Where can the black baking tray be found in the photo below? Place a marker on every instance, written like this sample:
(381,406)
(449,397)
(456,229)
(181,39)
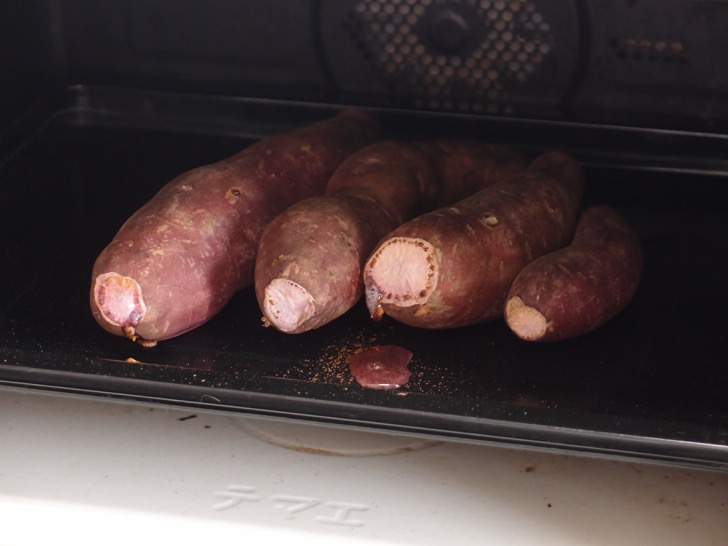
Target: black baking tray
(650,384)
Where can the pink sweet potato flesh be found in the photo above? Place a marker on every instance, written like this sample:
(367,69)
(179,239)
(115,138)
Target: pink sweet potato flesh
(179,259)
(575,290)
(310,259)
(453,266)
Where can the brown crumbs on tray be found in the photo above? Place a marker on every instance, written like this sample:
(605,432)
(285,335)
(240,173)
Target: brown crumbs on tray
(331,364)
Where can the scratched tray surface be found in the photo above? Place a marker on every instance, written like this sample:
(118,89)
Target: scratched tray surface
(655,374)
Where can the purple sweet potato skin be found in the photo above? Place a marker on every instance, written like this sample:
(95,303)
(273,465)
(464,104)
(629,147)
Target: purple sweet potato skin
(465,167)
(321,243)
(193,245)
(580,287)
(482,242)
(318,244)
(398,177)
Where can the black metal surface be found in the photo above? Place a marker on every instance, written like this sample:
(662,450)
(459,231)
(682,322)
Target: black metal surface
(457,56)
(649,384)
(628,63)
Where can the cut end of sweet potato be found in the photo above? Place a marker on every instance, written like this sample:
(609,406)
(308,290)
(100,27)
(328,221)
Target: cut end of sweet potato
(527,322)
(120,302)
(402,272)
(287,305)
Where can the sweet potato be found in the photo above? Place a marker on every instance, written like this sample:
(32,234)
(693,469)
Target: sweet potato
(575,290)
(180,258)
(453,266)
(310,259)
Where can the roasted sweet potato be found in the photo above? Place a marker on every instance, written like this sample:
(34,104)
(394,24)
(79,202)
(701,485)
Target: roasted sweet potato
(575,290)
(179,259)
(310,259)
(453,266)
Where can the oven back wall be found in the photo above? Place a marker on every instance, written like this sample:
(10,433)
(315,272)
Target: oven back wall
(262,48)
(25,65)
(618,62)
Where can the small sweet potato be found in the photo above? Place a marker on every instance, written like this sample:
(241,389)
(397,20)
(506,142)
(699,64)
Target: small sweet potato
(575,290)
(453,266)
(310,259)
(179,259)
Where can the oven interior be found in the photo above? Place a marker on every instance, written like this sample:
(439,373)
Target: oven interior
(103,103)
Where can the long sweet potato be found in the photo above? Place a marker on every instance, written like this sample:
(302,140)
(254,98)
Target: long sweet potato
(575,290)
(453,266)
(310,259)
(179,259)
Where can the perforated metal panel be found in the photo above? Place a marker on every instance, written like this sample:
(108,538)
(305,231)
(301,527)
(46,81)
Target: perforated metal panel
(452,55)
(467,55)
(644,49)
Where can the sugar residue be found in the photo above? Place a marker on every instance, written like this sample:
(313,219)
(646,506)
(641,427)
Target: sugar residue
(333,363)
(383,367)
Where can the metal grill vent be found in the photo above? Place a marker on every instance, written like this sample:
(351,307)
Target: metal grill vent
(468,55)
(649,50)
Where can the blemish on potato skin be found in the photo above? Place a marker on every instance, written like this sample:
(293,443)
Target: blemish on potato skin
(232,196)
(489,220)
